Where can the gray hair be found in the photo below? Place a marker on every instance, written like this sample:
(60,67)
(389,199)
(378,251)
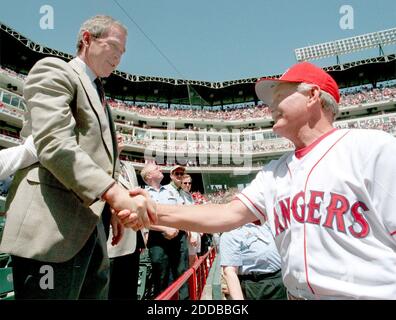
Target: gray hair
(97,26)
(148,168)
(327,100)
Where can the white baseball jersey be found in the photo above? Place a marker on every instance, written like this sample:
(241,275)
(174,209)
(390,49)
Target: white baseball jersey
(332,209)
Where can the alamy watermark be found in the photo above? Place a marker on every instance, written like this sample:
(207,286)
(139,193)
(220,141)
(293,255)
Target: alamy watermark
(206,148)
(347,19)
(47,280)
(47,19)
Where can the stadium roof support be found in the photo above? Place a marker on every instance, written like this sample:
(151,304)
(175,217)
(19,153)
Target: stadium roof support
(19,54)
(347,45)
(127,76)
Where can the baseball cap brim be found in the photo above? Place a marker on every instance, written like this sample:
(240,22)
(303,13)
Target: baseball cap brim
(300,72)
(265,88)
(177,167)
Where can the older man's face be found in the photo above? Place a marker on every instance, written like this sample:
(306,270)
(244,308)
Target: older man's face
(289,109)
(156,173)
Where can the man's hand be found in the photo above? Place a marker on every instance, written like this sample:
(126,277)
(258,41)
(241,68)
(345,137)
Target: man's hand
(170,233)
(193,238)
(117,228)
(151,205)
(132,220)
(137,212)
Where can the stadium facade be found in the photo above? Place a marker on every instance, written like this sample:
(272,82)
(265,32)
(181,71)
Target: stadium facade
(219,130)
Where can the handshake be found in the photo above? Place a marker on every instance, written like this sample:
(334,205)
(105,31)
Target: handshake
(133,209)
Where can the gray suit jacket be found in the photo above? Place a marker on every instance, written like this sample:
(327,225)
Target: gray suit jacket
(52,206)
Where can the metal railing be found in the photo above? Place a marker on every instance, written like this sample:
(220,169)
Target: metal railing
(195,276)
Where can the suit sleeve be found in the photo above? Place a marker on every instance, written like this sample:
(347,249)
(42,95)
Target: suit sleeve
(50,93)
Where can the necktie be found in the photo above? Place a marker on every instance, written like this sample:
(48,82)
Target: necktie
(101,93)
(99,87)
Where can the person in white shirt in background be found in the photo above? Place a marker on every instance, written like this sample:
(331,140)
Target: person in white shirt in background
(18,157)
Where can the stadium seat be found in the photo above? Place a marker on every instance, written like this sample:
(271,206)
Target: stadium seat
(6,281)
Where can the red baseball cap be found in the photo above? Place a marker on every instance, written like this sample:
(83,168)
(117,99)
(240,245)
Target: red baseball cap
(298,73)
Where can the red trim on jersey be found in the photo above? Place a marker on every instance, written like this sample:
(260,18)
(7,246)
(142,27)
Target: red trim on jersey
(251,202)
(393,233)
(303,151)
(305,189)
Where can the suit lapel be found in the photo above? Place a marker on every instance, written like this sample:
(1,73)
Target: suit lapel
(127,176)
(106,124)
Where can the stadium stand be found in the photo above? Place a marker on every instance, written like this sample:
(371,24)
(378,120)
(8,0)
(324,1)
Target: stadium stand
(221,132)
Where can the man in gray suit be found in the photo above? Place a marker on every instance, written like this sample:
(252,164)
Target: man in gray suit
(54,229)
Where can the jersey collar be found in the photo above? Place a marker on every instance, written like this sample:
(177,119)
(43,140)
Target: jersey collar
(303,151)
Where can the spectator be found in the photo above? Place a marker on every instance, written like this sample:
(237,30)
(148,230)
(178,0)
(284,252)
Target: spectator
(124,246)
(167,246)
(251,263)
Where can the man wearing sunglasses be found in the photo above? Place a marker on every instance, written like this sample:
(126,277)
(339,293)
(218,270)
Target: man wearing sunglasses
(175,188)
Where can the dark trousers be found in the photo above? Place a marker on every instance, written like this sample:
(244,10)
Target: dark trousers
(85,276)
(169,259)
(124,275)
(263,287)
(206,242)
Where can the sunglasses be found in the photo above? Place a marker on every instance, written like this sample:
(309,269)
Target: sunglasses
(186,182)
(178,173)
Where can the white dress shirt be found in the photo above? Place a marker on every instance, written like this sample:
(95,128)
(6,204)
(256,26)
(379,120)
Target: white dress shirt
(15,158)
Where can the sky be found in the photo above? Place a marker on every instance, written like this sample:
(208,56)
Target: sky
(209,40)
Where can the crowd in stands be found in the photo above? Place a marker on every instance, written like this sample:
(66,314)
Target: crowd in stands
(11,111)
(349,97)
(367,94)
(10,135)
(238,112)
(199,198)
(385,123)
(222,196)
(217,197)
(194,147)
(12,73)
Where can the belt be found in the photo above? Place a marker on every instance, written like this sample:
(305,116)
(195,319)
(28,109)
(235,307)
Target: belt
(257,276)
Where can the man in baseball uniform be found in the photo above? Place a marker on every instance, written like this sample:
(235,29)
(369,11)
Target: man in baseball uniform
(330,202)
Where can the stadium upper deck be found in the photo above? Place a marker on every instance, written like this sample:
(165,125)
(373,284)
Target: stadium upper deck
(19,54)
(199,115)
(196,114)
(260,144)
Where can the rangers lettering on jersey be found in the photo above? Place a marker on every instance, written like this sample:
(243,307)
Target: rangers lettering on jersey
(331,212)
(335,211)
